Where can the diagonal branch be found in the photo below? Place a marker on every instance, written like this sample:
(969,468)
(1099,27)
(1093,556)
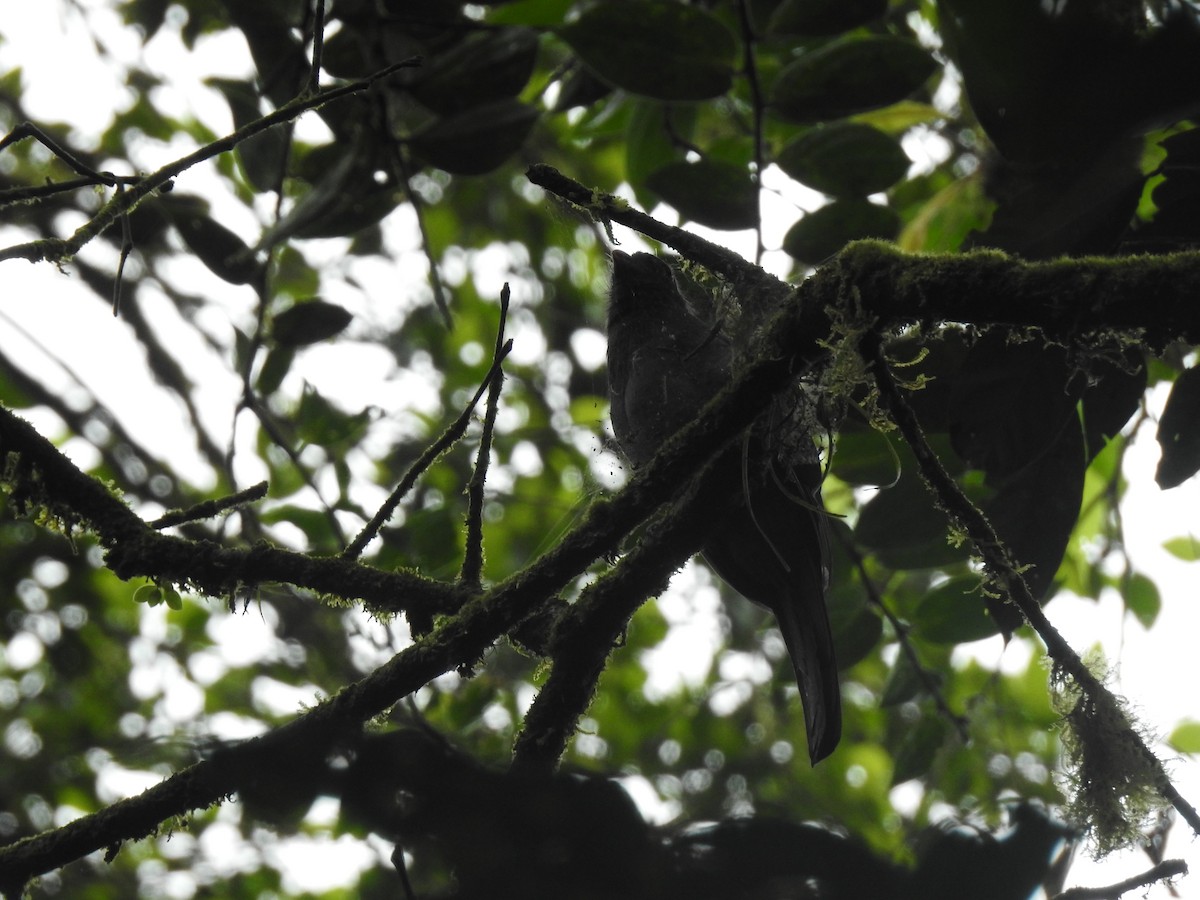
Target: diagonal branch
(1006,573)
(61,249)
(42,476)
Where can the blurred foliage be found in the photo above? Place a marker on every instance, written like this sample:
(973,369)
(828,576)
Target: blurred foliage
(398,210)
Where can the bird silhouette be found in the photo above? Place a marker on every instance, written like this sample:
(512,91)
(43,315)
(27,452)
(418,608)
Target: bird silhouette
(769,538)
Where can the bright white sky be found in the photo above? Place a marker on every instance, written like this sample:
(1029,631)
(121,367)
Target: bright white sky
(67,80)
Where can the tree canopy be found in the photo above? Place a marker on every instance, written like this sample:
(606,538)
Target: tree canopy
(377,579)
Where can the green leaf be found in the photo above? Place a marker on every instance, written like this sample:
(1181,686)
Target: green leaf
(484,68)
(899,117)
(319,422)
(314,523)
(716,194)
(346,194)
(866,458)
(903,684)
(536,13)
(274,369)
(915,755)
(477,141)
(850,76)
(225,254)
(653,135)
(845,159)
(656,49)
(1186,737)
(819,18)
(150,594)
(1179,431)
(1185,548)
(821,234)
(1142,599)
(263,156)
(902,526)
(588,409)
(945,220)
(954,613)
(309,322)
(856,638)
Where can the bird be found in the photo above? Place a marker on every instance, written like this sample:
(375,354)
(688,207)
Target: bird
(769,539)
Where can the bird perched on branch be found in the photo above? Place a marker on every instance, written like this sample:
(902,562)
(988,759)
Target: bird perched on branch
(769,538)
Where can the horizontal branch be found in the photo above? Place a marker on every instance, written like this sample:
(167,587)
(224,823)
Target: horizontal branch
(42,476)
(1152,298)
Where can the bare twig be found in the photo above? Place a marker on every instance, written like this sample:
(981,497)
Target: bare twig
(750,67)
(472,567)
(272,428)
(1165,870)
(318,48)
(90,175)
(404,176)
(61,249)
(926,678)
(126,249)
(447,439)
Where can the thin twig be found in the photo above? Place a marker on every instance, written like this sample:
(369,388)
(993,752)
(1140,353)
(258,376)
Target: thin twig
(126,249)
(91,176)
(447,439)
(436,283)
(750,66)
(926,678)
(318,48)
(1169,868)
(42,191)
(210,508)
(472,567)
(61,249)
(251,402)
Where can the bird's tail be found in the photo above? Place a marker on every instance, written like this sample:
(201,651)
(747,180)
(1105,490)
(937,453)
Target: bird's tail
(805,627)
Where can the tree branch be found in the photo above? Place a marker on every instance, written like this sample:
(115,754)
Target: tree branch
(62,249)
(41,475)
(1165,870)
(1006,574)
(1150,299)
